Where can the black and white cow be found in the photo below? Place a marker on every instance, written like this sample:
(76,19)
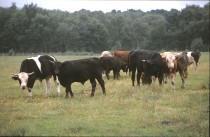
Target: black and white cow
(39,67)
(148,62)
(193,58)
(80,70)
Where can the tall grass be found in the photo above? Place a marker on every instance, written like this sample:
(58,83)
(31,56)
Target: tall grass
(125,110)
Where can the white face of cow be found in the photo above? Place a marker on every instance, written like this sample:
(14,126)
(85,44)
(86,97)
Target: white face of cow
(23,78)
(170,61)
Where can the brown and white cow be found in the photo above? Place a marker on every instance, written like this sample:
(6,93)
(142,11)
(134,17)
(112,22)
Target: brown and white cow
(170,68)
(181,63)
(39,67)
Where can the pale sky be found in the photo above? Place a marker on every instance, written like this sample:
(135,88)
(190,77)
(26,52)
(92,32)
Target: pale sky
(105,6)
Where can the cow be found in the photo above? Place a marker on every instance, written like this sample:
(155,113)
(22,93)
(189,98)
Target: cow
(148,62)
(80,70)
(193,58)
(123,54)
(182,65)
(113,63)
(179,62)
(106,54)
(170,67)
(33,68)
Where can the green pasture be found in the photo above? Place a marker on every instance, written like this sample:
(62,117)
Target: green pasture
(125,110)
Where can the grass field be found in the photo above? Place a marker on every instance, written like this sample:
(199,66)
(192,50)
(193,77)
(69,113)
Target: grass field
(125,110)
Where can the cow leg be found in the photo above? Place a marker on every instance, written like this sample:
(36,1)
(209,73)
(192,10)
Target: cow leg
(133,76)
(173,76)
(57,84)
(138,77)
(185,73)
(30,86)
(29,92)
(160,78)
(182,77)
(107,74)
(165,78)
(69,91)
(118,74)
(93,83)
(114,74)
(102,84)
(47,86)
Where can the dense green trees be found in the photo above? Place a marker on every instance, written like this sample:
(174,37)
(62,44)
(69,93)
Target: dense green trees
(33,29)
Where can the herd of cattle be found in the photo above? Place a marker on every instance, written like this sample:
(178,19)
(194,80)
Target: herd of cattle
(148,64)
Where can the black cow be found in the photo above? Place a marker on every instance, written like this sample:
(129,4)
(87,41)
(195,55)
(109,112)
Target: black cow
(113,63)
(39,67)
(80,70)
(146,61)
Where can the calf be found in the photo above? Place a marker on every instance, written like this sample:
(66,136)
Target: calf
(149,62)
(80,70)
(115,64)
(34,68)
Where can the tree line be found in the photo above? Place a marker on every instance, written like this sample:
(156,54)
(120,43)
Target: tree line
(34,29)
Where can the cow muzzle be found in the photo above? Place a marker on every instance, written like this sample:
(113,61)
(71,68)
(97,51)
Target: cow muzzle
(23,87)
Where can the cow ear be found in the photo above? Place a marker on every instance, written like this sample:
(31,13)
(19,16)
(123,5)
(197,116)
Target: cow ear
(52,62)
(14,76)
(177,57)
(30,73)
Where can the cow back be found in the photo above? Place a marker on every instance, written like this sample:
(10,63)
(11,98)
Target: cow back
(122,54)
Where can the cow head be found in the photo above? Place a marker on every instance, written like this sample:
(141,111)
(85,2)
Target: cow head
(147,67)
(169,59)
(124,67)
(196,55)
(56,66)
(146,79)
(104,64)
(22,77)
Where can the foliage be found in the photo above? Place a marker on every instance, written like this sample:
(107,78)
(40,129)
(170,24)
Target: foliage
(34,29)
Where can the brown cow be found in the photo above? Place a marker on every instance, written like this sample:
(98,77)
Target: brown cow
(123,54)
